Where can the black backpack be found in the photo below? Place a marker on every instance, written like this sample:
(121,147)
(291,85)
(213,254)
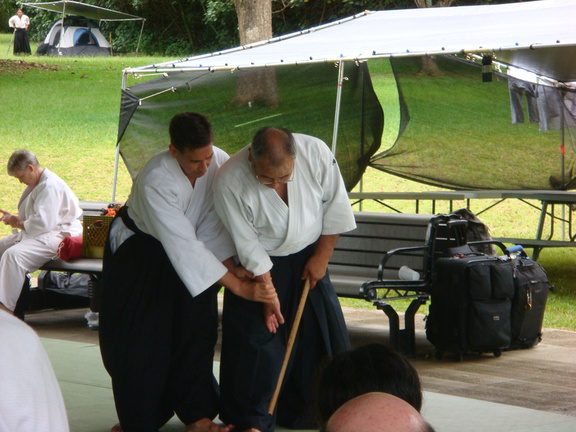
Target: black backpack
(477,230)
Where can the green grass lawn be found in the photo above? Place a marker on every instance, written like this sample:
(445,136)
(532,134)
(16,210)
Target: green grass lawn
(66,110)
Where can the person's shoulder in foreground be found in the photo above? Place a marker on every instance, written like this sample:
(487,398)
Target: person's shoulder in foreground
(30,399)
(377,412)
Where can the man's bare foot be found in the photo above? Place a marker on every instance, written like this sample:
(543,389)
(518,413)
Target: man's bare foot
(207,425)
(116,428)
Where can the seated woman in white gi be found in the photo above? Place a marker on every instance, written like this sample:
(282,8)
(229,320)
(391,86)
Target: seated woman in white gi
(48,211)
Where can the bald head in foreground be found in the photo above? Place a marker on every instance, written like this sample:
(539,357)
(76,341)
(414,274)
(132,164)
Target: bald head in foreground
(377,412)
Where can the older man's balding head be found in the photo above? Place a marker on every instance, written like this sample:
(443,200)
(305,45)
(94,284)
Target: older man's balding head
(377,412)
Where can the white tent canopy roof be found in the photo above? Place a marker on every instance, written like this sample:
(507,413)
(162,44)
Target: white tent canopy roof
(539,36)
(69,7)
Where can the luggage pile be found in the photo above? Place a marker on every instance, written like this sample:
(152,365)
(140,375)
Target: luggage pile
(481,303)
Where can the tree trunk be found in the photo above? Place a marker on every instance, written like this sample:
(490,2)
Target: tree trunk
(429,65)
(255,24)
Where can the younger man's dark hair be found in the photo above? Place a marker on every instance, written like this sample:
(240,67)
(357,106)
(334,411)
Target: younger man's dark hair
(189,130)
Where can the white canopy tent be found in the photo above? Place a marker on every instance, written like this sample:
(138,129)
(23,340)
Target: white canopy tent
(532,37)
(97,13)
(526,34)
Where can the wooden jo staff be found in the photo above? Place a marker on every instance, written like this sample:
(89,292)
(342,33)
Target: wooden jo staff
(290,345)
(11,41)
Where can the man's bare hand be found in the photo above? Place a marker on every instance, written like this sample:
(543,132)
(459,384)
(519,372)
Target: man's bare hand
(258,291)
(241,273)
(272,316)
(317,264)
(315,269)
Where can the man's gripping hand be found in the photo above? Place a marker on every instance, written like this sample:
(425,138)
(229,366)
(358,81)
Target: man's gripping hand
(258,291)
(272,316)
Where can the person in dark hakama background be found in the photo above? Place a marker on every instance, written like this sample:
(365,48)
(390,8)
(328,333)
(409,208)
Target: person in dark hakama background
(20,23)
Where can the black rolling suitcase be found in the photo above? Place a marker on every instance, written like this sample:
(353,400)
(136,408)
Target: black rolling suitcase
(531,287)
(470,305)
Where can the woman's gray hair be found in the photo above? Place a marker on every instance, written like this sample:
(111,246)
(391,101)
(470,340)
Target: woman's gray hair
(20,159)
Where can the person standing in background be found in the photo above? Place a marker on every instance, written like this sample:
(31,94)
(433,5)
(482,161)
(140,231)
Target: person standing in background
(20,23)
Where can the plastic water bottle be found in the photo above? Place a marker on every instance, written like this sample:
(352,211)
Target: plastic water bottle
(406,273)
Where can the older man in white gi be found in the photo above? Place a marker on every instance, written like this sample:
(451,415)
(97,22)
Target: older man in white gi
(48,211)
(284,202)
(165,260)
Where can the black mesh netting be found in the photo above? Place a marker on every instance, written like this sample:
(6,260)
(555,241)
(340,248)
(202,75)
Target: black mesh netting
(463,133)
(452,130)
(306,104)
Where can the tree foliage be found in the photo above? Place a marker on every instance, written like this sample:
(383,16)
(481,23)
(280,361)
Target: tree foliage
(186,27)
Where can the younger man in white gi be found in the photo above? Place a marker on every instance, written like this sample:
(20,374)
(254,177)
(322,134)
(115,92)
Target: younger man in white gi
(284,202)
(48,210)
(166,256)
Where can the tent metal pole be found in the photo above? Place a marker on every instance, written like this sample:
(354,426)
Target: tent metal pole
(117,157)
(115,179)
(337,110)
(140,37)
(563,142)
(61,29)
(563,155)
(11,41)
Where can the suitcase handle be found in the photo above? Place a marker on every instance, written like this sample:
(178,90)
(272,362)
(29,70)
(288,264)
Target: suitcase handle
(514,249)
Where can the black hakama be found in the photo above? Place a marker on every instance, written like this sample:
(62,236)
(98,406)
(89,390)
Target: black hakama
(252,357)
(21,42)
(157,341)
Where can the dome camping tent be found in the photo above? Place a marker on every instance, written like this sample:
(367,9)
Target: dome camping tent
(75,36)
